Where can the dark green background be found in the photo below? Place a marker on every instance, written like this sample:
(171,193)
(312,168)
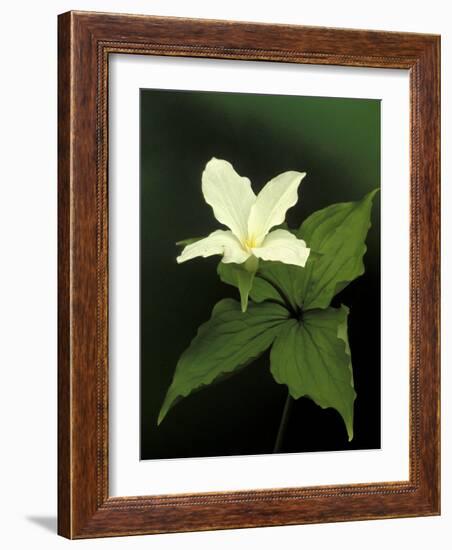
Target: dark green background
(337,142)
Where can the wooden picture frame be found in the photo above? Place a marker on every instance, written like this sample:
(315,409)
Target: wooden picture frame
(85,42)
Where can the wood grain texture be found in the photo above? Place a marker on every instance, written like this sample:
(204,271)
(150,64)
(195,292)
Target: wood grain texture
(85,42)
(64,295)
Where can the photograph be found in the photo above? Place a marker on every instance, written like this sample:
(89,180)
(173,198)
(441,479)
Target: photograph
(248,273)
(224,233)
(259,274)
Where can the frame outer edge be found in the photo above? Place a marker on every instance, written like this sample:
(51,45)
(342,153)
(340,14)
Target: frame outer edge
(64,293)
(430,246)
(425,233)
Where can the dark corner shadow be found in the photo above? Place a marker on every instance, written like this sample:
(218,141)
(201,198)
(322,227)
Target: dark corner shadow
(49,523)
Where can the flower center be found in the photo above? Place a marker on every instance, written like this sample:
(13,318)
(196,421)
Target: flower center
(250,243)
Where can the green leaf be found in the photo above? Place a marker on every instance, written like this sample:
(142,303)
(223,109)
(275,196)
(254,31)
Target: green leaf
(240,276)
(338,233)
(286,279)
(186,242)
(337,236)
(259,291)
(228,340)
(312,357)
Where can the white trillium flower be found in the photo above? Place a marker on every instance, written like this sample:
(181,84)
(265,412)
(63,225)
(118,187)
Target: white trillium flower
(249,218)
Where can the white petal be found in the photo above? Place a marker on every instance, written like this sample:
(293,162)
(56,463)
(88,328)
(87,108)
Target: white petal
(218,242)
(230,196)
(282,246)
(272,203)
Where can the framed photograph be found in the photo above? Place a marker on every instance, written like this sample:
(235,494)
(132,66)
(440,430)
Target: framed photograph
(248,275)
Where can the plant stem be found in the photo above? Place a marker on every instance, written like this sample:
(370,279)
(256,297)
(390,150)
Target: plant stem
(279,290)
(283,423)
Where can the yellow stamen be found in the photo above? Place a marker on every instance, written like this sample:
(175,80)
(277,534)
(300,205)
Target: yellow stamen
(250,243)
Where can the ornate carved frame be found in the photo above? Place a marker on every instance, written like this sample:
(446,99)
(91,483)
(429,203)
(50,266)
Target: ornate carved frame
(85,42)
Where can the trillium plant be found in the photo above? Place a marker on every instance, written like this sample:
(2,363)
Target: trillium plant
(287,280)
